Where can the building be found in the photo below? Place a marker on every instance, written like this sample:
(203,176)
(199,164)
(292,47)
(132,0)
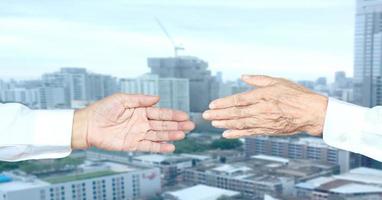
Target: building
(80,86)
(174,92)
(368,59)
(258,176)
(232,87)
(201,192)
(100,86)
(105,180)
(301,148)
(368,52)
(172,167)
(203,87)
(357,184)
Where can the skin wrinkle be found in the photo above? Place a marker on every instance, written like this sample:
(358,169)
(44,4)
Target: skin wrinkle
(276,107)
(115,125)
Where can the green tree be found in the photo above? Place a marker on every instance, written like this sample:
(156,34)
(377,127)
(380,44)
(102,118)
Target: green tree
(225,144)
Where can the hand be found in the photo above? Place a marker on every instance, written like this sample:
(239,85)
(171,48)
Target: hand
(276,107)
(129,123)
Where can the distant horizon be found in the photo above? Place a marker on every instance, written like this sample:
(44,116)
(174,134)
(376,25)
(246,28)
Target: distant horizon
(329,80)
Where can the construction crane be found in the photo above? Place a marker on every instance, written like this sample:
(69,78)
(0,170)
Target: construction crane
(176,47)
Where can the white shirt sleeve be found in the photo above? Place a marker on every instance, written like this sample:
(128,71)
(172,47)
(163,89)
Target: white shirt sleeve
(34,134)
(354,128)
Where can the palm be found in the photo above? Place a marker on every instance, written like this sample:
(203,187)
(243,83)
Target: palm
(130,123)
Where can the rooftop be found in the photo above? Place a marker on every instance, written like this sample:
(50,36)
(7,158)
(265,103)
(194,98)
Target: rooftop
(22,184)
(202,192)
(356,181)
(271,158)
(362,174)
(90,170)
(257,169)
(156,158)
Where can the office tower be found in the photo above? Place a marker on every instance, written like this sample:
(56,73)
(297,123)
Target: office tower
(321,81)
(368,58)
(174,92)
(100,86)
(52,97)
(74,82)
(301,148)
(203,86)
(368,53)
(80,86)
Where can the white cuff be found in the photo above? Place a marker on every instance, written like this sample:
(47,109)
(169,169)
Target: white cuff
(52,133)
(344,124)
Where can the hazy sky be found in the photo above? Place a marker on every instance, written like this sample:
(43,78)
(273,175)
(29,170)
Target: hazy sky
(298,39)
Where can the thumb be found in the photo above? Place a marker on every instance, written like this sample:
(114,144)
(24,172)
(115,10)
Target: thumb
(259,80)
(135,101)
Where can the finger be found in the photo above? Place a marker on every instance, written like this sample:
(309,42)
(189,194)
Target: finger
(243,99)
(259,81)
(171,125)
(237,124)
(155,147)
(234,134)
(166,114)
(163,136)
(135,101)
(227,113)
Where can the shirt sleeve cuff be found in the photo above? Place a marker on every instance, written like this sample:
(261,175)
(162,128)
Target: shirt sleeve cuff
(52,133)
(343,125)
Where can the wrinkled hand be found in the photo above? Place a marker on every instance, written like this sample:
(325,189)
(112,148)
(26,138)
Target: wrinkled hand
(129,123)
(276,107)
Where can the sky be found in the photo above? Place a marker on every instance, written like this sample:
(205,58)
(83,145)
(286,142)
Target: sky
(295,39)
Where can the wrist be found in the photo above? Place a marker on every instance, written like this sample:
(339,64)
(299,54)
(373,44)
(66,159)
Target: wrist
(318,105)
(80,130)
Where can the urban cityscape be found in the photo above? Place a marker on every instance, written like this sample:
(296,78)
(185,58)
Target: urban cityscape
(204,165)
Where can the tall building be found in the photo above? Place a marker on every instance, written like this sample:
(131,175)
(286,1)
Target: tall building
(203,86)
(368,59)
(368,53)
(80,86)
(174,92)
(301,148)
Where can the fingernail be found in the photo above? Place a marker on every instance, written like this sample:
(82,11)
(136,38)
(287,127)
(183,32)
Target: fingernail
(212,105)
(215,123)
(206,115)
(225,134)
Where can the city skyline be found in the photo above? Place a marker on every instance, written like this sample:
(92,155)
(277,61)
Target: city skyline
(35,38)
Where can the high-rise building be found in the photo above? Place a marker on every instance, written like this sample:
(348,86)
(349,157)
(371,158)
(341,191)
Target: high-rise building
(368,53)
(203,86)
(174,92)
(100,86)
(368,58)
(80,86)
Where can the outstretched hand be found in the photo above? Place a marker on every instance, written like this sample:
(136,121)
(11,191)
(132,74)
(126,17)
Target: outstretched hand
(124,122)
(276,107)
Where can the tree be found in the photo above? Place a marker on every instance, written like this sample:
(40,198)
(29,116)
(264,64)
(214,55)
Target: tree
(225,144)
